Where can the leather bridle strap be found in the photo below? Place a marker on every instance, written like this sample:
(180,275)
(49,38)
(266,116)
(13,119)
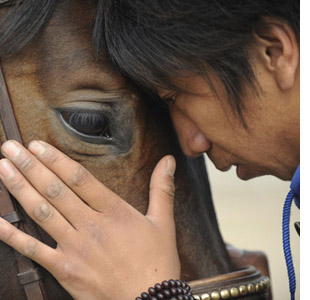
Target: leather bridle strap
(28,275)
(6,113)
(247,283)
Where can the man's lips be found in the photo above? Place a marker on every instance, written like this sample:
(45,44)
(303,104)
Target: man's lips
(221,163)
(223,168)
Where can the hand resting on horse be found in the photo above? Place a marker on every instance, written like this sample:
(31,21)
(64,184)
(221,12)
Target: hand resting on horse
(106,249)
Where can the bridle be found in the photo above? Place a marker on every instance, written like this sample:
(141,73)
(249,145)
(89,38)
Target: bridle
(247,283)
(29,276)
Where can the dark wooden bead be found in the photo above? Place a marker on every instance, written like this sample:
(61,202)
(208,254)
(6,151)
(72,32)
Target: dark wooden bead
(173,291)
(152,291)
(172,283)
(160,296)
(168,290)
(145,296)
(158,287)
(167,294)
(165,284)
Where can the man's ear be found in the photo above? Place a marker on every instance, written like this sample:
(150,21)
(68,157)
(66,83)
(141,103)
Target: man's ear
(279,50)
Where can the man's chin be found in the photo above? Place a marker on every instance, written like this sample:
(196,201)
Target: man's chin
(245,173)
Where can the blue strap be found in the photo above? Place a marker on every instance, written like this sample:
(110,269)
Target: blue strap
(295,187)
(286,243)
(294,193)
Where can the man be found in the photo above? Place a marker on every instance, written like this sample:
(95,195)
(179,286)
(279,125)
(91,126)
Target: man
(229,72)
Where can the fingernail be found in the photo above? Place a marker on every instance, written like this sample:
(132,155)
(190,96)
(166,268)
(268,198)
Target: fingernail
(42,212)
(6,170)
(10,149)
(170,167)
(37,147)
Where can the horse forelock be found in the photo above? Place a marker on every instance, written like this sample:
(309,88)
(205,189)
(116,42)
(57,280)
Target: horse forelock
(22,22)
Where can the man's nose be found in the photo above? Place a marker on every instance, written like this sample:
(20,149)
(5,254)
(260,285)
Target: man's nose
(192,140)
(196,144)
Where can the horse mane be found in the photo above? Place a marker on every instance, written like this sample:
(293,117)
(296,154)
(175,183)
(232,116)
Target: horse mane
(27,17)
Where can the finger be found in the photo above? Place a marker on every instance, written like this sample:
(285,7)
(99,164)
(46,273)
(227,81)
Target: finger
(45,182)
(34,204)
(75,176)
(161,205)
(28,246)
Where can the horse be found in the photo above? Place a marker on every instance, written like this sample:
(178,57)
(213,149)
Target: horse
(63,93)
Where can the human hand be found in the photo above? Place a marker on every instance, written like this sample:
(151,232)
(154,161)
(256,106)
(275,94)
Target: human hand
(106,249)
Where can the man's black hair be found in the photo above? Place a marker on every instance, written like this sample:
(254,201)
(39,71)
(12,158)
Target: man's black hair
(153,41)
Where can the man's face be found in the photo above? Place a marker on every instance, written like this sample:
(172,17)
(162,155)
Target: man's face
(205,122)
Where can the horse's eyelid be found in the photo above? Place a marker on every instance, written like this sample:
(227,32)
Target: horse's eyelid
(100,111)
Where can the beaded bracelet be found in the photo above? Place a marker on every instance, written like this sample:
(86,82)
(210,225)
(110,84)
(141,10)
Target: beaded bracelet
(168,290)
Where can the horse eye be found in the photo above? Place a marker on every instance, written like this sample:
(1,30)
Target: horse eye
(92,124)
